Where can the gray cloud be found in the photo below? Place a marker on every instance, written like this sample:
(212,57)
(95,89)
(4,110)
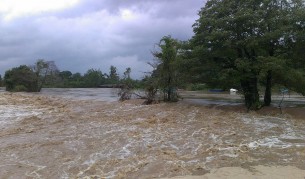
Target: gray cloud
(93,34)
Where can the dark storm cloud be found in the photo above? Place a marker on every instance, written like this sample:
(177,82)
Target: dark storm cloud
(96,34)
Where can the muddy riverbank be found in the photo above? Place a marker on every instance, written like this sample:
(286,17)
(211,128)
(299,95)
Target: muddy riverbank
(53,137)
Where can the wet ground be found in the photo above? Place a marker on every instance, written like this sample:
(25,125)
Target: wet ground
(225,99)
(54,137)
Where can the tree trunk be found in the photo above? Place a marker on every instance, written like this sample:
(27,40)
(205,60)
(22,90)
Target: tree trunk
(251,95)
(267,97)
(169,93)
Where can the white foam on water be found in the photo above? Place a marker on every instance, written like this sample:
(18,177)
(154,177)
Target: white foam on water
(269,142)
(263,124)
(198,132)
(291,133)
(10,114)
(284,130)
(93,158)
(214,138)
(35,172)
(209,159)
(174,147)
(266,142)
(124,152)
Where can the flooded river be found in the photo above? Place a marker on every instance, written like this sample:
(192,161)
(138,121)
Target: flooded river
(93,94)
(86,133)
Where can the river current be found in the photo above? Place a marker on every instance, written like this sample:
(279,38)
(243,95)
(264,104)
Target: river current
(86,133)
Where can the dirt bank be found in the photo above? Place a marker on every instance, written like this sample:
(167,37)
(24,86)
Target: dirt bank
(48,137)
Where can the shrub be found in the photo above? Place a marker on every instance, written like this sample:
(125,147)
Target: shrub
(19,88)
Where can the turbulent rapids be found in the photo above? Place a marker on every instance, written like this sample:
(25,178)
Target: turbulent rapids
(50,137)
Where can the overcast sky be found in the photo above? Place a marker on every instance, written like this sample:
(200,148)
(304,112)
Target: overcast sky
(83,34)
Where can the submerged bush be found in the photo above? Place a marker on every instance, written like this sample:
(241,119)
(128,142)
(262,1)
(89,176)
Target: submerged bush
(19,88)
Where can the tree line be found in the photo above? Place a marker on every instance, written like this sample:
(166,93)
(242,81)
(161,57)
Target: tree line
(46,74)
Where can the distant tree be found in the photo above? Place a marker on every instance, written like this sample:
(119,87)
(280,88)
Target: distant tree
(64,79)
(113,75)
(76,81)
(76,77)
(41,70)
(127,82)
(65,74)
(21,78)
(44,70)
(93,78)
(127,73)
(52,78)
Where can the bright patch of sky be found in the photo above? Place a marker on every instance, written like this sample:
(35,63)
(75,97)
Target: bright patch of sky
(127,14)
(17,8)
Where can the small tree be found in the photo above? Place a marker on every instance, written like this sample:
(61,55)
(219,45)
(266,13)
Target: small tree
(41,70)
(151,88)
(44,70)
(127,73)
(127,87)
(52,77)
(166,73)
(113,75)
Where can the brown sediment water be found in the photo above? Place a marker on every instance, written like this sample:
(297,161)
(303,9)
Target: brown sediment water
(256,172)
(52,137)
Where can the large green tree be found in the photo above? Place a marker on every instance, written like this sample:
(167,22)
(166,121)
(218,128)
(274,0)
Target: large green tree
(247,42)
(21,78)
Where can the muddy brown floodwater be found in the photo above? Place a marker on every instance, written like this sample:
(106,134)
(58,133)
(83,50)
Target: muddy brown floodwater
(52,137)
